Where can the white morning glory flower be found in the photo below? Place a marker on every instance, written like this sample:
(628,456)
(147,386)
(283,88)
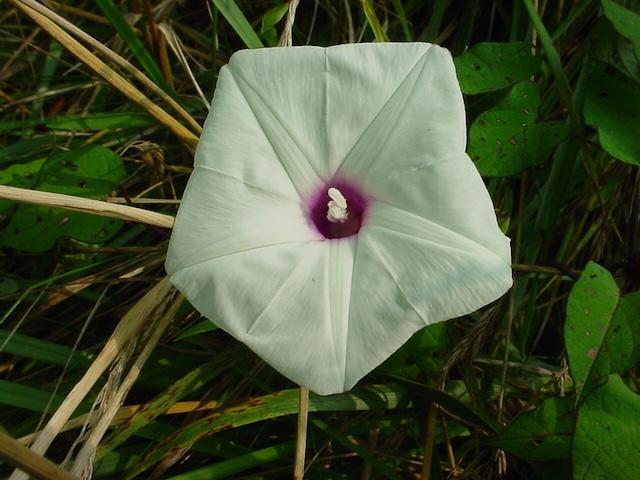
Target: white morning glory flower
(332,211)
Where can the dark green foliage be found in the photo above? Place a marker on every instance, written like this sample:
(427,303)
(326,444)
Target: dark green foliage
(492,66)
(543,383)
(508,138)
(607,433)
(92,172)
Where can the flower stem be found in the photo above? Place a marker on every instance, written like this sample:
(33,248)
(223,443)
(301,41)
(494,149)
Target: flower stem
(301,436)
(429,441)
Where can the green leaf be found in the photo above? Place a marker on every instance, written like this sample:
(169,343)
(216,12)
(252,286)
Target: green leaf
(600,328)
(27,398)
(237,20)
(87,172)
(541,434)
(101,121)
(42,350)
(612,106)
(158,405)
(136,46)
(626,22)
(492,66)
(202,326)
(241,463)
(373,21)
(269,21)
(8,286)
(624,351)
(447,401)
(508,139)
(23,175)
(271,406)
(607,434)
(424,344)
(47,75)
(27,147)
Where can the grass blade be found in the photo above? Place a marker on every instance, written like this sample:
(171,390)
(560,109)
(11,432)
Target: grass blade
(374,22)
(130,324)
(237,20)
(108,74)
(133,42)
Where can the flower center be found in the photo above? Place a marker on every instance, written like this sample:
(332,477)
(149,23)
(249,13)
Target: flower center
(338,209)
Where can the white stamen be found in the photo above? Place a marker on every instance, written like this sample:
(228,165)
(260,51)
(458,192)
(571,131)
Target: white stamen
(337,206)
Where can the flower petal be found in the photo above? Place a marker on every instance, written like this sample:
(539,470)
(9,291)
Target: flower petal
(234,142)
(221,215)
(421,120)
(285,89)
(450,193)
(288,303)
(410,273)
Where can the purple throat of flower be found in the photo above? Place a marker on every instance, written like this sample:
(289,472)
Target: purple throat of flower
(338,209)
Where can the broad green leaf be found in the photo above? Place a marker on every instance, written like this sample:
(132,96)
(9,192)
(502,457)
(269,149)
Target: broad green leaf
(626,22)
(136,46)
(607,434)
(424,344)
(592,303)
(508,138)
(87,172)
(237,20)
(600,329)
(101,121)
(271,406)
(541,434)
(28,147)
(625,353)
(269,21)
(492,66)
(612,106)
(23,175)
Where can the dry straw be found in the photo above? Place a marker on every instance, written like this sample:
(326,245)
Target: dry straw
(86,205)
(107,73)
(129,326)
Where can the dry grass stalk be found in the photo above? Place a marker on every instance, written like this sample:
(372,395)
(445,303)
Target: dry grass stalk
(84,459)
(130,324)
(286,39)
(107,73)
(125,412)
(35,465)
(86,205)
(115,58)
(171,38)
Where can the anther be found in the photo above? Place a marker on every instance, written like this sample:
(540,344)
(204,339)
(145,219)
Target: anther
(337,206)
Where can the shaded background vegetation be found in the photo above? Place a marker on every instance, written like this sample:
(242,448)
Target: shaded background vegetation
(541,384)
